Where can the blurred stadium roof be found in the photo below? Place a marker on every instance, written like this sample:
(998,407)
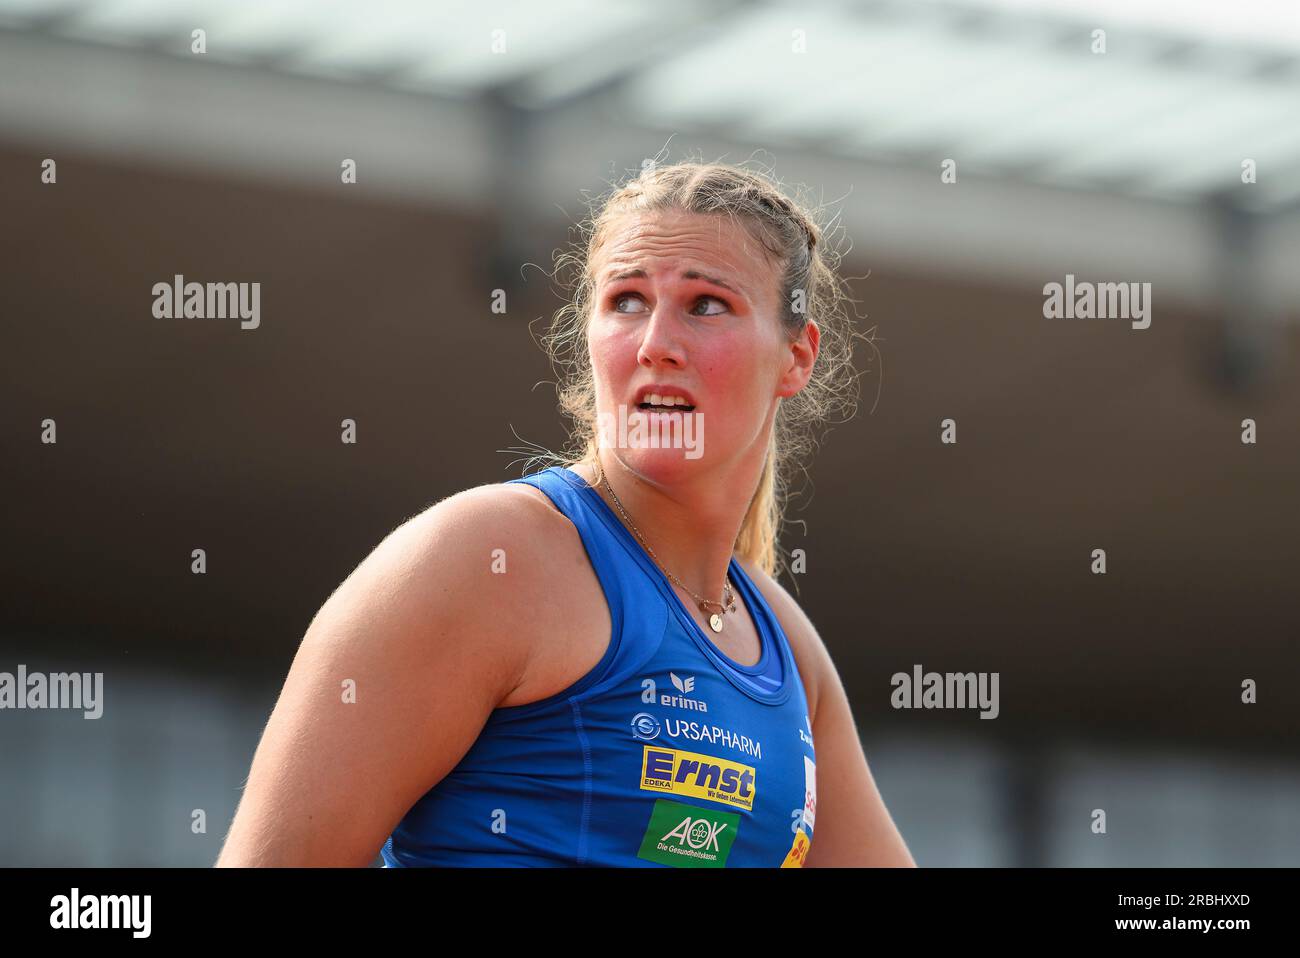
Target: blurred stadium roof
(1186,90)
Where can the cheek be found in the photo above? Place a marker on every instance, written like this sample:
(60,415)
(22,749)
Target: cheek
(742,366)
(613,354)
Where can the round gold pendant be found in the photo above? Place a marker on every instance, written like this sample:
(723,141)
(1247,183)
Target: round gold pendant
(715,622)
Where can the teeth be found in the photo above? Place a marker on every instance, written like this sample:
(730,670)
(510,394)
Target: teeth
(655,399)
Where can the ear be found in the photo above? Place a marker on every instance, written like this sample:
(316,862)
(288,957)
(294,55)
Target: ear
(798,366)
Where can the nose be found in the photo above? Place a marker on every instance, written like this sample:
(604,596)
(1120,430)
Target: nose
(660,343)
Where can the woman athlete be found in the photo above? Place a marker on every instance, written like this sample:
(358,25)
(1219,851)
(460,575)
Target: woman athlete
(593,665)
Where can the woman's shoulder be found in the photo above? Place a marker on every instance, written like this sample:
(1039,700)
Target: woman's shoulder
(507,505)
(437,625)
(501,554)
(477,566)
(496,528)
(510,533)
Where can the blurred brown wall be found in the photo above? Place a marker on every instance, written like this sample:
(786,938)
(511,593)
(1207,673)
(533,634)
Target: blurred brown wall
(177,434)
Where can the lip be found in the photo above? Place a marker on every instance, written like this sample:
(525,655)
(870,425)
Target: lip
(663,389)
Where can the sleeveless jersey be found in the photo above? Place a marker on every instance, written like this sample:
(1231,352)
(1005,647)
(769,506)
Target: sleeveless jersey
(666,753)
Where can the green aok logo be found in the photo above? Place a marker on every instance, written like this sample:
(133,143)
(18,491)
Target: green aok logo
(688,837)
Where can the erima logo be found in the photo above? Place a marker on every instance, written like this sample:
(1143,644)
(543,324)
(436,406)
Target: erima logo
(684,685)
(698,776)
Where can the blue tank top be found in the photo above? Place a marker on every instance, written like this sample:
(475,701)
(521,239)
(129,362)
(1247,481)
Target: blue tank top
(667,753)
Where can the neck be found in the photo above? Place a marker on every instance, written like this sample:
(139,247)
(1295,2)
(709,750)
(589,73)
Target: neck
(691,526)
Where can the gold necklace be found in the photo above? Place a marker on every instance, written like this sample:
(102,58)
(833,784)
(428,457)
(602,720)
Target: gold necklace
(729,597)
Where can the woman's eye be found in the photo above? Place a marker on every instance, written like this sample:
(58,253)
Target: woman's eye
(617,301)
(715,299)
(619,298)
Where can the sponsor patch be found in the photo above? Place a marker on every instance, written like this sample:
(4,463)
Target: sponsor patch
(686,836)
(806,737)
(645,726)
(686,685)
(697,776)
(809,792)
(798,851)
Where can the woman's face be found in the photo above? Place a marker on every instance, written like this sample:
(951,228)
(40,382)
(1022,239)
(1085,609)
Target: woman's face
(688,305)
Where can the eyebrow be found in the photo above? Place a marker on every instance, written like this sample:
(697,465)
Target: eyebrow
(687,274)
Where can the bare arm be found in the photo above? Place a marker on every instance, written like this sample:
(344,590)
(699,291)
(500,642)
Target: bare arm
(852,827)
(423,628)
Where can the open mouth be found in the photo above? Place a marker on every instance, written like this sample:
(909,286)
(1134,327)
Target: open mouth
(660,407)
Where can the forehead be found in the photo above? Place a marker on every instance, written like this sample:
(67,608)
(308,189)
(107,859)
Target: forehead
(676,241)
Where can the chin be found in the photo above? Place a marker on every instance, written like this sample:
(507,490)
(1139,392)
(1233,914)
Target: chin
(662,466)
(661,448)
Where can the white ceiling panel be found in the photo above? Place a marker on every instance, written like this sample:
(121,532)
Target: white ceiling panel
(1007,87)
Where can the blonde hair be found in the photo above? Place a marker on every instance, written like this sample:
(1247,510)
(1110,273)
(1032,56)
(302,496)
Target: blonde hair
(810,288)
